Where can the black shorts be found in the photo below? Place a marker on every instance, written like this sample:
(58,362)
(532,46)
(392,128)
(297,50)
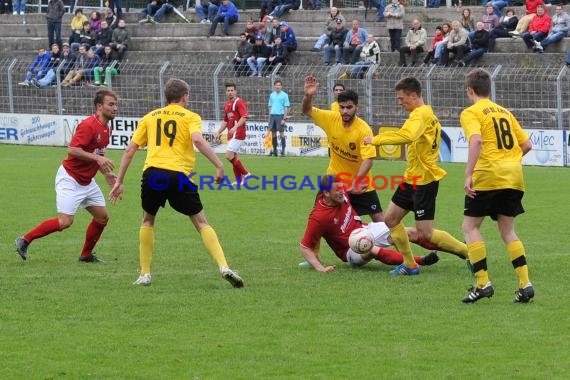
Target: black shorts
(507,202)
(420,200)
(275,123)
(160,185)
(366,203)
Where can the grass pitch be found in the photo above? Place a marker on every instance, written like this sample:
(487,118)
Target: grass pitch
(60,319)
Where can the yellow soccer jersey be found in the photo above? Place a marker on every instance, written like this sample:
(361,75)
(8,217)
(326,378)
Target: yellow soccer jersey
(499,165)
(167,134)
(335,107)
(422,133)
(346,144)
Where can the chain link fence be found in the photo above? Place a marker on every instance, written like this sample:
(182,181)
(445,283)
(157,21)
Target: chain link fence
(537,96)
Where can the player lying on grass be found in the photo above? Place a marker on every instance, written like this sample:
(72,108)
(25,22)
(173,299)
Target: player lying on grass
(333,219)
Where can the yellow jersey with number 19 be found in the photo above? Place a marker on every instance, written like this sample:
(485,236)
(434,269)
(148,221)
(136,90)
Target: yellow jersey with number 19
(499,164)
(167,134)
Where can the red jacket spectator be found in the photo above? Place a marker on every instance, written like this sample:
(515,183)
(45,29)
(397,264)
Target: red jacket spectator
(540,23)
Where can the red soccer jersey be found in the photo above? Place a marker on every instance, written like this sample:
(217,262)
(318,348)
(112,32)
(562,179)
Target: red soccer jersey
(92,137)
(233,111)
(334,224)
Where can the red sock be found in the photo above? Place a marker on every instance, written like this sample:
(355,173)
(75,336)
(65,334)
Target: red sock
(238,167)
(390,257)
(44,228)
(92,235)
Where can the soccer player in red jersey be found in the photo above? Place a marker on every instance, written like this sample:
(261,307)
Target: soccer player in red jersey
(74,183)
(235,117)
(333,218)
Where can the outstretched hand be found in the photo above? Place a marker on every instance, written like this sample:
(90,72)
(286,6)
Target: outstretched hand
(116,192)
(311,85)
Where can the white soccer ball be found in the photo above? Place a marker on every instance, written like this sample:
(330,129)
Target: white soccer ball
(361,240)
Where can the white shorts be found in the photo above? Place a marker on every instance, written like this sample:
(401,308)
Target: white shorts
(70,195)
(381,234)
(234,145)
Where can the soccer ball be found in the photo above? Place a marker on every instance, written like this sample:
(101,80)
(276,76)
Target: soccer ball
(361,240)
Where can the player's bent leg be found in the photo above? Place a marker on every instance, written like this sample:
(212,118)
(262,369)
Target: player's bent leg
(93,233)
(354,259)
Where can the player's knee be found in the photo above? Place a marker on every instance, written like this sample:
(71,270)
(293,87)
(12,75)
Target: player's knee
(65,221)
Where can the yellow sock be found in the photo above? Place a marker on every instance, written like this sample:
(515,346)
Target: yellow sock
(449,243)
(517,255)
(402,244)
(478,258)
(146,245)
(213,246)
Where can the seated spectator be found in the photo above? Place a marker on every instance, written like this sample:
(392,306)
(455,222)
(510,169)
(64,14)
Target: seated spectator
(242,54)
(355,38)
(438,51)
(93,60)
(438,37)
(538,29)
(95,21)
(479,45)
(251,31)
(335,43)
(228,14)
(272,31)
(266,7)
(285,7)
(560,27)
(458,44)
(497,6)
(111,18)
(278,53)
(525,20)
(87,37)
(394,14)
(106,67)
(167,7)
(19,7)
(103,38)
(259,55)
(466,20)
(68,58)
(38,67)
(507,24)
(212,6)
(370,55)
(55,60)
(333,17)
(120,40)
(288,38)
(77,23)
(489,20)
(150,10)
(380,5)
(415,42)
(78,69)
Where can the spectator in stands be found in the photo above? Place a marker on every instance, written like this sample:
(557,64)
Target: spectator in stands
(380,6)
(55,60)
(93,60)
(525,20)
(77,25)
(285,7)
(78,69)
(106,68)
(489,20)
(55,12)
(538,29)
(87,37)
(458,43)
(266,7)
(335,43)
(228,14)
(242,54)
(467,21)
(118,5)
(167,7)
(438,37)
(37,68)
(251,31)
(212,11)
(394,14)
(278,53)
(333,16)
(69,58)
(95,21)
(272,32)
(497,6)
(19,7)
(353,42)
(445,29)
(288,38)
(259,55)
(111,18)
(103,38)
(120,40)
(560,27)
(415,42)
(150,10)
(507,23)
(370,55)
(479,45)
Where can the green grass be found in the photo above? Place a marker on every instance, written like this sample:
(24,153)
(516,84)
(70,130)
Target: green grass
(60,319)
